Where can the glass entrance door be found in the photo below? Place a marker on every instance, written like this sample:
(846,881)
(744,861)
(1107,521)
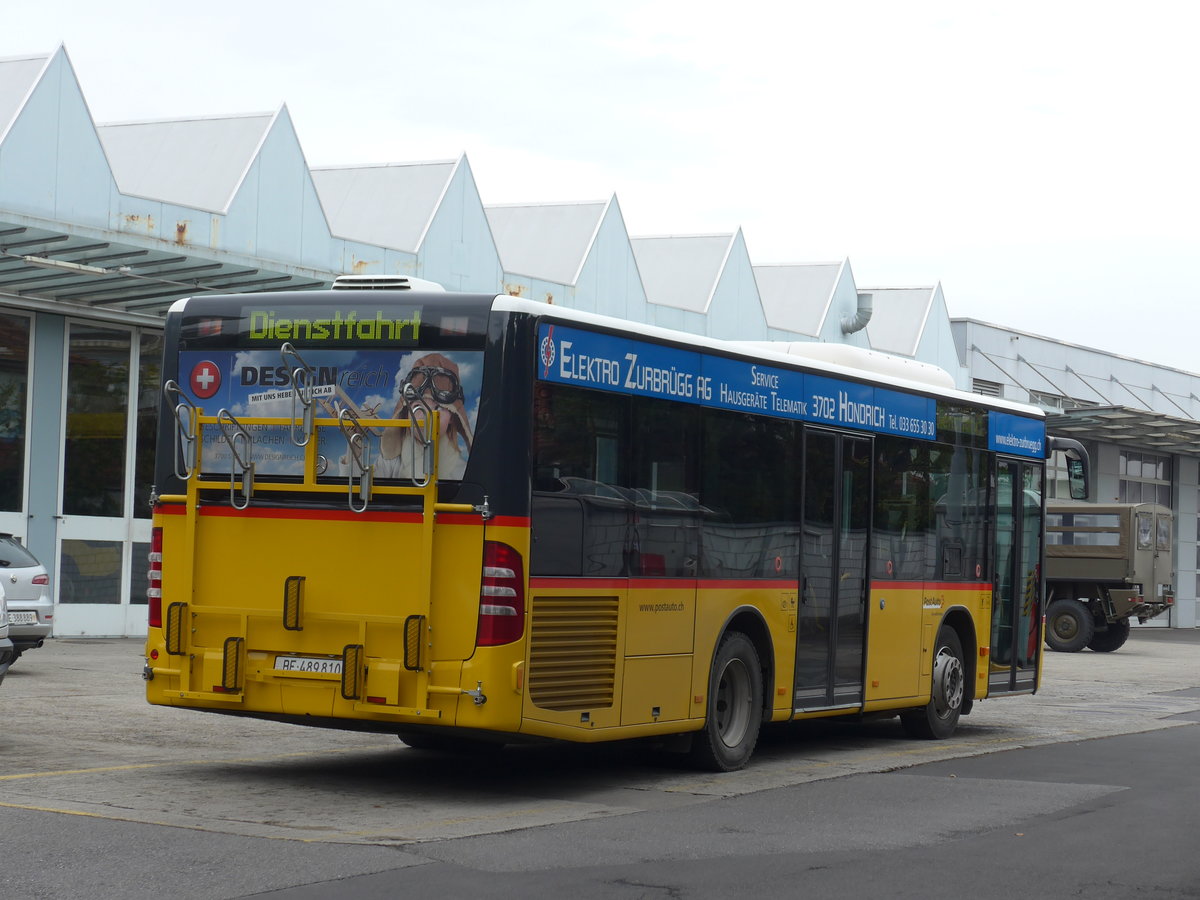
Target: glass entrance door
(104,510)
(1017,595)
(14,417)
(833,590)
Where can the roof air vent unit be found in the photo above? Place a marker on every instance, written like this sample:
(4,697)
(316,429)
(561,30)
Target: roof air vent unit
(383,283)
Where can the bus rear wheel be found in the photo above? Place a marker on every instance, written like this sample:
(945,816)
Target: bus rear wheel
(735,707)
(938,718)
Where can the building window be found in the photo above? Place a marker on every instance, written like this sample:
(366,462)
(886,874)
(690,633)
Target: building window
(1145,478)
(97,416)
(14,390)
(1047,401)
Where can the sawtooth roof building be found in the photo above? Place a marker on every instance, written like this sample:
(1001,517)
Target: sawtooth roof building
(103,226)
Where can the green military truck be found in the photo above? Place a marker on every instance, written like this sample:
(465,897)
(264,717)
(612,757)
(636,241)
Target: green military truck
(1106,563)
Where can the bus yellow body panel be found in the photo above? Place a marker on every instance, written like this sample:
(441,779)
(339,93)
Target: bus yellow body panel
(365,599)
(627,661)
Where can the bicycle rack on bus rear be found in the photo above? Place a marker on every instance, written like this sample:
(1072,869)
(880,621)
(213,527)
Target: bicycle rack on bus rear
(304,379)
(240,442)
(186,418)
(423,427)
(360,455)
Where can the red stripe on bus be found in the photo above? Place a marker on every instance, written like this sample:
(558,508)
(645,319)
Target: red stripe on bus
(543,582)
(475,519)
(665,584)
(931,585)
(509,521)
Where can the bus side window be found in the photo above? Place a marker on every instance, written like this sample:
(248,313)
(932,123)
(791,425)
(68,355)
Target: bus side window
(557,535)
(903,517)
(665,486)
(581,515)
(749,481)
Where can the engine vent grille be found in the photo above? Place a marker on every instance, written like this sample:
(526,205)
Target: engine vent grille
(573,652)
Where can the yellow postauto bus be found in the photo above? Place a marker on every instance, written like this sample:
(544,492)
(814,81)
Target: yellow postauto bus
(472,517)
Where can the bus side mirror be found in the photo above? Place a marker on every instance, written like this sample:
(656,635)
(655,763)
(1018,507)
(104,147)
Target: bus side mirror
(1077,478)
(1076,459)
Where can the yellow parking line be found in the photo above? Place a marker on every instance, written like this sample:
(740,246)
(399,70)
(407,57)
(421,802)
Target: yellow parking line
(133,821)
(76,812)
(187,762)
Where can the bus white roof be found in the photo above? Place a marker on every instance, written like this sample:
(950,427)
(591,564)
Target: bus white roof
(896,373)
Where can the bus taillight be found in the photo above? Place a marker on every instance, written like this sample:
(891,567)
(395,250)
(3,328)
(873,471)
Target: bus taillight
(154,580)
(501,595)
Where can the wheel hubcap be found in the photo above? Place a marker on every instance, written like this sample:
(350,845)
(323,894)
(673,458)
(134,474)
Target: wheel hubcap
(948,682)
(733,703)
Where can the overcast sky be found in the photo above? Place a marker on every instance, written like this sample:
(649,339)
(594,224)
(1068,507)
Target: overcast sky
(1041,160)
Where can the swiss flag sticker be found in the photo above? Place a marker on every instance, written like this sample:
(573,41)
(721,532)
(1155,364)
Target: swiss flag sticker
(205,380)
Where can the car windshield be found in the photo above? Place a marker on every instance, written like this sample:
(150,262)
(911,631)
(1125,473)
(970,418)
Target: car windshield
(13,555)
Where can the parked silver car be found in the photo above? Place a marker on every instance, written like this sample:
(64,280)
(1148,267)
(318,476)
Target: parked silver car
(27,589)
(6,648)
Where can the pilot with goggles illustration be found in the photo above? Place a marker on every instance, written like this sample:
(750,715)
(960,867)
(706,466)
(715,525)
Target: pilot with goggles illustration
(431,383)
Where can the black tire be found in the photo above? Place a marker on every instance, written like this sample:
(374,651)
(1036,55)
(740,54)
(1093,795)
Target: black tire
(735,707)
(1069,626)
(938,718)
(1112,638)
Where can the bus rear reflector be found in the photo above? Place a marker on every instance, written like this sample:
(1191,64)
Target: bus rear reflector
(154,580)
(501,596)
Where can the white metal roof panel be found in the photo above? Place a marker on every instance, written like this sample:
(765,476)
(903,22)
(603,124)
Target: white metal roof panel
(681,271)
(549,241)
(18,75)
(196,162)
(387,205)
(899,317)
(797,297)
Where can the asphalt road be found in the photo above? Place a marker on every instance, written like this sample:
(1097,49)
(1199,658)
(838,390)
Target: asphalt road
(1088,788)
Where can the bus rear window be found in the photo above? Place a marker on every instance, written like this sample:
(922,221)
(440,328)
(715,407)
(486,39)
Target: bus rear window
(369,386)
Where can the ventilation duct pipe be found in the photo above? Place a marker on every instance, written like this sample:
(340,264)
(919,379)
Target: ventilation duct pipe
(860,319)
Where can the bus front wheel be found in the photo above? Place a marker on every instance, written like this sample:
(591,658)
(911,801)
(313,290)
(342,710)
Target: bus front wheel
(939,717)
(735,707)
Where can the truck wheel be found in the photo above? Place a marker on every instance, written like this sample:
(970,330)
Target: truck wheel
(939,717)
(1069,626)
(735,707)
(1111,638)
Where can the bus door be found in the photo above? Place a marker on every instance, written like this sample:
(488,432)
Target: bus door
(1017,591)
(833,574)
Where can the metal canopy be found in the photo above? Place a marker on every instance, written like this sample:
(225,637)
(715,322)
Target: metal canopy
(1136,428)
(109,274)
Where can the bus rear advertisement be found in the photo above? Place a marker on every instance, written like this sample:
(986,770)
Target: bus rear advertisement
(464,518)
